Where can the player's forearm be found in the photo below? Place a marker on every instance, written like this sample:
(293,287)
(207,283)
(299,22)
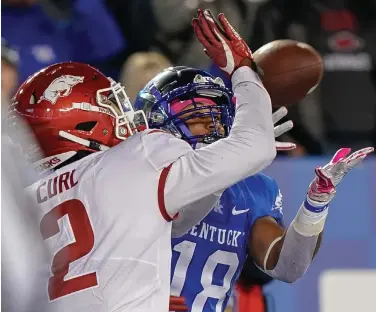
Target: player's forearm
(292,253)
(252,132)
(248,149)
(275,252)
(289,256)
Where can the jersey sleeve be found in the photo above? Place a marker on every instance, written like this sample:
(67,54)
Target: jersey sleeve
(191,175)
(266,198)
(192,213)
(163,149)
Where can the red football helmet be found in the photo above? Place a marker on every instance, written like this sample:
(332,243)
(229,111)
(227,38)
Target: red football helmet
(73,107)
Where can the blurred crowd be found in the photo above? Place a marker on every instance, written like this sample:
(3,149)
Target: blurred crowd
(133,40)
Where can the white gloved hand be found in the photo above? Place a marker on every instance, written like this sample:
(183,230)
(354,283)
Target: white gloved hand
(311,217)
(281,129)
(323,187)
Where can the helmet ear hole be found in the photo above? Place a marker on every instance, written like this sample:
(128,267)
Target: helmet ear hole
(33,99)
(86,126)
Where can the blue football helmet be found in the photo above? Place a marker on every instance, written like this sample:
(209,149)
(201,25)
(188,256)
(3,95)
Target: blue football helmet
(181,93)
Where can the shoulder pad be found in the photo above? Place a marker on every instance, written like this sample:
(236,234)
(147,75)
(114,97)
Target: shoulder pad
(163,148)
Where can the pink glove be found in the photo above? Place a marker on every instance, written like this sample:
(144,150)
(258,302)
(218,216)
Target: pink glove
(222,44)
(323,187)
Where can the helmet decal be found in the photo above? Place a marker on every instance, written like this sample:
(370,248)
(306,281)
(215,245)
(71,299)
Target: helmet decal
(60,87)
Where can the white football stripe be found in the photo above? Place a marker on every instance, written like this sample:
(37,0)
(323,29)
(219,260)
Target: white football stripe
(229,68)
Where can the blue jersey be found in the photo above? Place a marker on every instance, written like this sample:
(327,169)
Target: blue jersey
(207,261)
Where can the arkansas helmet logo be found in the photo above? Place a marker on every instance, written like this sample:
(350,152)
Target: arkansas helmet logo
(60,87)
(345,41)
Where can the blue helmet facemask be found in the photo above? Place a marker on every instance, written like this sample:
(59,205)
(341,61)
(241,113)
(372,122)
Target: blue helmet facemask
(168,106)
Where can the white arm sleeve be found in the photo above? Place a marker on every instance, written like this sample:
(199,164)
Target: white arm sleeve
(247,150)
(196,174)
(191,214)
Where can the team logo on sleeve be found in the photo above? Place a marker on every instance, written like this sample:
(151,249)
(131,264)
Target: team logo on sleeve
(218,207)
(60,87)
(278,202)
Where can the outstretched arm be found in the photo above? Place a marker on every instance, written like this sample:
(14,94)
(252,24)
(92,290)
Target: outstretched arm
(248,149)
(264,232)
(286,255)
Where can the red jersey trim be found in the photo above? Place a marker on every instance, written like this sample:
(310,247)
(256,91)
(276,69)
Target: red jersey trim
(161,197)
(156,131)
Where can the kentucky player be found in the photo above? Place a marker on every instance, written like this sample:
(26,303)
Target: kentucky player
(207,260)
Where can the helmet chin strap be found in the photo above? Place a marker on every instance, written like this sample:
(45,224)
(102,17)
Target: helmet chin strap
(88,143)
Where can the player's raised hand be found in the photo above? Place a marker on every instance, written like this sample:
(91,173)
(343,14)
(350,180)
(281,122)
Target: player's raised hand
(323,187)
(177,304)
(281,129)
(221,42)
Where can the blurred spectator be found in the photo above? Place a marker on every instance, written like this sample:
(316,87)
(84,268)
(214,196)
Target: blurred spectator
(9,70)
(342,111)
(176,38)
(47,32)
(165,25)
(139,69)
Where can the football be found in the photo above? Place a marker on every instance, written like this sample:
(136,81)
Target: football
(291,70)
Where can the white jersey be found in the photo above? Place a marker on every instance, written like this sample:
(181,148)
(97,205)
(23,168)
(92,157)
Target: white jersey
(107,216)
(103,218)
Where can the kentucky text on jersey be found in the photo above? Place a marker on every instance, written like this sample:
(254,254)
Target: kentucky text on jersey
(52,187)
(208,259)
(216,234)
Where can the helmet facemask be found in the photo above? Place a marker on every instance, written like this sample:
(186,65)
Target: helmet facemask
(115,100)
(204,98)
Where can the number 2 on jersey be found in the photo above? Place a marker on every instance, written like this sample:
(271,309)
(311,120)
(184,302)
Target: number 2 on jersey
(84,242)
(210,290)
